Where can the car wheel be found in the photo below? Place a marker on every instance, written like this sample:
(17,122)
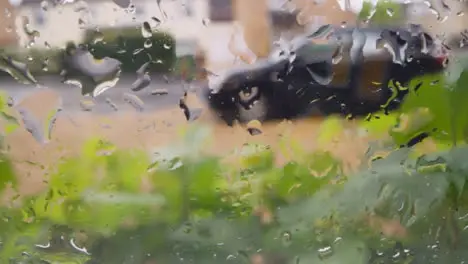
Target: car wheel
(252,105)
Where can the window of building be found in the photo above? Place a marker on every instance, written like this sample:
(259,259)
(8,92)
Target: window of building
(221,10)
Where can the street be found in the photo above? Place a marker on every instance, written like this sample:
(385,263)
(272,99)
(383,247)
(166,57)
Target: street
(159,94)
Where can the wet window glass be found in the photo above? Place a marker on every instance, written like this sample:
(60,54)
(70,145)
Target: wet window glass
(233,131)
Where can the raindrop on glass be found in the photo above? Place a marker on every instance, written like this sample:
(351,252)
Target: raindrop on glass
(155,21)
(93,76)
(143,79)
(390,12)
(52,119)
(254,127)
(32,125)
(206,21)
(148,44)
(112,104)
(134,101)
(45,5)
(146,30)
(160,91)
(286,238)
(87,105)
(18,70)
(325,252)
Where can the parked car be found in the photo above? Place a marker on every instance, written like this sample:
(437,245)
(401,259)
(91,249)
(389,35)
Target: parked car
(335,70)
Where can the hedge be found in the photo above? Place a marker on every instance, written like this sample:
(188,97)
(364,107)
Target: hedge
(118,43)
(132,49)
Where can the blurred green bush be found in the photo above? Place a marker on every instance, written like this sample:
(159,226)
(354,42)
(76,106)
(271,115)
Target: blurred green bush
(124,44)
(129,47)
(382,13)
(38,61)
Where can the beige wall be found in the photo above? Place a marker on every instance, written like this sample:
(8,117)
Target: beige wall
(329,10)
(453,25)
(7,24)
(253,16)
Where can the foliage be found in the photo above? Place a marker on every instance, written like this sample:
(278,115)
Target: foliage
(125,45)
(129,47)
(38,61)
(196,209)
(383,12)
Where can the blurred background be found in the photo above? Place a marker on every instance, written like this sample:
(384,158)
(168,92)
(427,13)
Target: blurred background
(43,27)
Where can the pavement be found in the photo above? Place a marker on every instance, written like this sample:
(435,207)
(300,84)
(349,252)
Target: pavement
(159,94)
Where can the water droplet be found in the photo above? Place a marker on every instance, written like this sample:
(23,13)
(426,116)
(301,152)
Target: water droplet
(190,115)
(148,43)
(19,71)
(93,76)
(137,51)
(206,21)
(143,79)
(388,42)
(390,12)
(146,30)
(122,3)
(134,101)
(45,5)
(112,104)
(77,248)
(230,257)
(167,46)
(52,119)
(11,101)
(160,8)
(155,21)
(87,105)
(287,238)
(159,92)
(98,36)
(45,65)
(187,228)
(359,40)
(7,12)
(131,9)
(81,22)
(254,127)
(460,13)
(325,252)
(32,125)
(32,35)
(322,80)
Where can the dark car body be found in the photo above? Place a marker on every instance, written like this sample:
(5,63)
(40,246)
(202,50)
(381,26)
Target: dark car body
(344,71)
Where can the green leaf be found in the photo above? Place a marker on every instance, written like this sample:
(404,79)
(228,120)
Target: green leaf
(7,174)
(329,130)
